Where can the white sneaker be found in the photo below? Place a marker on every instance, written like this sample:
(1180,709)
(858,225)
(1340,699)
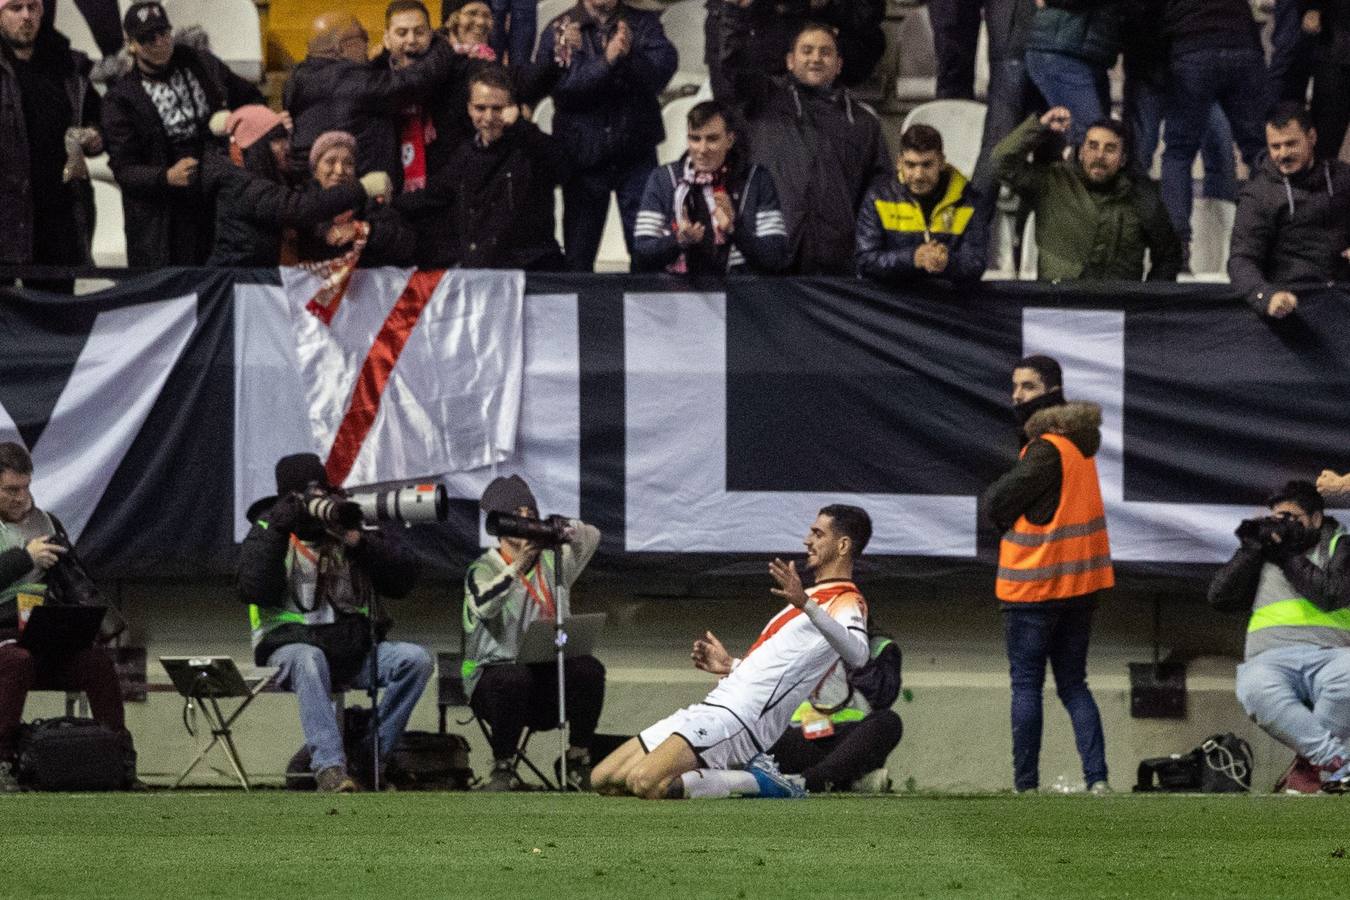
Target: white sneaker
(1099,788)
(877,781)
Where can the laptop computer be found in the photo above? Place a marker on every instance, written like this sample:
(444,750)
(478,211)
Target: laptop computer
(213,676)
(583,632)
(55,629)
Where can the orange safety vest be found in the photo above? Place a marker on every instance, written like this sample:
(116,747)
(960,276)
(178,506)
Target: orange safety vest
(1071,555)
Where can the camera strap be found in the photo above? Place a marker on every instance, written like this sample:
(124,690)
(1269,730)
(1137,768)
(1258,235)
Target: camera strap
(541,593)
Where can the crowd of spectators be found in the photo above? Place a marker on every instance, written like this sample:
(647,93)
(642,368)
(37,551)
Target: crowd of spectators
(426,153)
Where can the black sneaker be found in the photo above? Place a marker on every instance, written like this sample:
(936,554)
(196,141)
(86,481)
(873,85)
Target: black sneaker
(9,779)
(503,778)
(578,769)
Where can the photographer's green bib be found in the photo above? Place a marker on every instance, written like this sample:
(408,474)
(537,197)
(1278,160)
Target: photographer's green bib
(1281,617)
(16,535)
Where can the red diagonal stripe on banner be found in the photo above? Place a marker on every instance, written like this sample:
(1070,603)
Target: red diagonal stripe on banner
(370,384)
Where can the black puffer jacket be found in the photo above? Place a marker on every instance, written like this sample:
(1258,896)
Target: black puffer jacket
(165,225)
(1032,487)
(252,211)
(492,207)
(363,100)
(68,584)
(1290,230)
(392,241)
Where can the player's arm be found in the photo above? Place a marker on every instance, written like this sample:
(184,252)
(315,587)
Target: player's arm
(849,643)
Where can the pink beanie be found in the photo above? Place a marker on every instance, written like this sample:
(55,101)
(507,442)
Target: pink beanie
(327,141)
(249,124)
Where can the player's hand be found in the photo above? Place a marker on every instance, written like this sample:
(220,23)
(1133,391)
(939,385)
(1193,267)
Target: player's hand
(1282,303)
(723,213)
(43,552)
(789,582)
(1058,119)
(710,656)
(689,233)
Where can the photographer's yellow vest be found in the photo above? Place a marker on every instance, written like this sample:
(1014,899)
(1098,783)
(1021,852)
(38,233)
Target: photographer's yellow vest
(1283,617)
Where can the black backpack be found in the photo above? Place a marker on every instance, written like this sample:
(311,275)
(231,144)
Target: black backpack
(878,679)
(74,754)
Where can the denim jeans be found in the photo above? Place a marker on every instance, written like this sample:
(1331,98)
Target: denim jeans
(956,31)
(586,206)
(1142,111)
(518,39)
(1291,55)
(404,670)
(1301,697)
(1057,631)
(1197,80)
(1069,81)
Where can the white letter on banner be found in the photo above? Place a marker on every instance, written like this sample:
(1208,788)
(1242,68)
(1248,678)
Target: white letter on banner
(118,377)
(1090,345)
(676,420)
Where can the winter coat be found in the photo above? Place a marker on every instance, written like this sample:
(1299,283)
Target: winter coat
(1082,231)
(491,207)
(68,583)
(16,184)
(392,241)
(1334,39)
(363,99)
(165,225)
(1290,230)
(610,114)
(1086,29)
(758,241)
(1233,587)
(822,147)
(891,226)
(1032,487)
(1210,24)
(252,211)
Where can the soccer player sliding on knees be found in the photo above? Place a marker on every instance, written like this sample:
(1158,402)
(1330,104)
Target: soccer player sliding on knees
(716,748)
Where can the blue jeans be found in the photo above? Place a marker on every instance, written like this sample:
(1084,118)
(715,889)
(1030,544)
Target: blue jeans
(1301,697)
(1143,109)
(586,206)
(1057,631)
(1197,80)
(404,670)
(1069,81)
(518,39)
(1292,55)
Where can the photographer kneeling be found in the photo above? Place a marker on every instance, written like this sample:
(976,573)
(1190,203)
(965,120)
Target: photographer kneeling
(310,584)
(38,566)
(505,590)
(1292,570)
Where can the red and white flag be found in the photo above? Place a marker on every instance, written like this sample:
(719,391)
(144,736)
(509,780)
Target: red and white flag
(406,373)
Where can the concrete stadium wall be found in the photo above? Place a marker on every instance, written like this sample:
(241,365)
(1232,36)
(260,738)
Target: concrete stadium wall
(956,725)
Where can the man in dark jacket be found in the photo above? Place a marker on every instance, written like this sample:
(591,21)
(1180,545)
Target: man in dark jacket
(710,212)
(1214,57)
(491,205)
(1054,561)
(1093,221)
(1328,21)
(822,147)
(607,116)
(311,587)
(337,89)
(39,566)
(156,120)
(921,224)
(48,117)
(1293,218)
(1292,572)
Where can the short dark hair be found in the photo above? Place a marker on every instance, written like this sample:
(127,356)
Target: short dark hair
(494,75)
(1290,111)
(1046,367)
(852,522)
(1115,126)
(1302,493)
(812,25)
(397,6)
(14,458)
(703,113)
(921,139)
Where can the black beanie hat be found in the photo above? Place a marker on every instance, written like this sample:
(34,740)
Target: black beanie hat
(506,495)
(298,471)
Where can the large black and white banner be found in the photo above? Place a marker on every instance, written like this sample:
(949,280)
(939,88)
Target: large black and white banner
(693,426)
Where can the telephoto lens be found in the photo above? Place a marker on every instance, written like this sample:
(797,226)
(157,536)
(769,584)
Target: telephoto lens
(334,512)
(409,504)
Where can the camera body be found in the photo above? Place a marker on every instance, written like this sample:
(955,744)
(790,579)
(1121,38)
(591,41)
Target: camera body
(1275,534)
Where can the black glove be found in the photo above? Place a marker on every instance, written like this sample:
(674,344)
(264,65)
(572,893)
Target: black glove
(286,513)
(1249,533)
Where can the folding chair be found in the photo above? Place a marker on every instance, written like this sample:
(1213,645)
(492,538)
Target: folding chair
(450,693)
(206,680)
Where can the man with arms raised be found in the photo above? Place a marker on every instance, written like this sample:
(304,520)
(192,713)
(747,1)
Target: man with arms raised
(716,748)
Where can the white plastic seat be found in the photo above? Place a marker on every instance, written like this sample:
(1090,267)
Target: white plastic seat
(961,123)
(110,238)
(543,115)
(232,26)
(1211,237)
(70,22)
(675,117)
(1027,270)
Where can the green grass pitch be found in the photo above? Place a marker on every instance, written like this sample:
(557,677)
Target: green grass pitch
(270,844)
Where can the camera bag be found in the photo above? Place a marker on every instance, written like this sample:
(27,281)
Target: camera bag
(1222,764)
(75,754)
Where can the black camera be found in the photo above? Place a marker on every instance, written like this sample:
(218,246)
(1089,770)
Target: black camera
(1275,533)
(550,531)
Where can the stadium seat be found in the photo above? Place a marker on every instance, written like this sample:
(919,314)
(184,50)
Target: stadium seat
(683,24)
(110,239)
(232,27)
(1211,237)
(962,125)
(70,22)
(1027,269)
(543,115)
(675,117)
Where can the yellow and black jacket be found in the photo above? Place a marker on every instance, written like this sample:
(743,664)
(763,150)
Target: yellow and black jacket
(892,225)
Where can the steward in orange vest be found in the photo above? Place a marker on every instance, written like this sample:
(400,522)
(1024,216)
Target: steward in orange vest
(1049,508)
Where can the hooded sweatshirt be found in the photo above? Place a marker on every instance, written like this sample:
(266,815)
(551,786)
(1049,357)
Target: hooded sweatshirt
(1290,230)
